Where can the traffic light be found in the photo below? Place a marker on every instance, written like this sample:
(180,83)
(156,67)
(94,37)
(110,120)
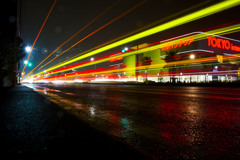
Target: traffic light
(29,64)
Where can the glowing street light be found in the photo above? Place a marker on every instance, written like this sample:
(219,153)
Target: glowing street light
(125,49)
(192,56)
(25,62)
(28,49)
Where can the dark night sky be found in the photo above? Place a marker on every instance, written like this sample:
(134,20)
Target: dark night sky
(69,16)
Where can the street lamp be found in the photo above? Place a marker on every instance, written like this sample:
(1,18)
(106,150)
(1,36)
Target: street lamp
(125,49)
(25,62)
(28,49)
(192,56)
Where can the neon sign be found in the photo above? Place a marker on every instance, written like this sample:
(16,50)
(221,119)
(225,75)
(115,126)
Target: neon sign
(222,44)
(178,44)
(116,59)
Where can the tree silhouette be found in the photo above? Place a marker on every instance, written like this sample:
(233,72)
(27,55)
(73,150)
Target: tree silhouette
(20,49)
(7,56)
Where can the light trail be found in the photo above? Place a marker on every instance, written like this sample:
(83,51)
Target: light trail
(153,66)
(110,22)
(112,78)
(102,59)
(197,36)
(101,14)
(107,70)
(143,28)
(54,3)
(181,64)
(179,21)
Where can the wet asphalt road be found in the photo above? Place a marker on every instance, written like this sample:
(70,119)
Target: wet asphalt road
(166,122)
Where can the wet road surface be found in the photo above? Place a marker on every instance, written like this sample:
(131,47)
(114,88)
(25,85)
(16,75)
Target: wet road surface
(166,122)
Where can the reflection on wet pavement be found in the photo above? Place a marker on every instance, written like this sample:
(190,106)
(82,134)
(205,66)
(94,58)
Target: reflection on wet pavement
(167,122)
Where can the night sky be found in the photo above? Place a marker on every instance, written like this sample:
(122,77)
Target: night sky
(69,16)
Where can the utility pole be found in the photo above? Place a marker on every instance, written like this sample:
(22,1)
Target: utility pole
(19,25)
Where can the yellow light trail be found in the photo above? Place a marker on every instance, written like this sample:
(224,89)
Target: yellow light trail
(179,21)
(138,30)
(197,37)
(189,61)
(202,60)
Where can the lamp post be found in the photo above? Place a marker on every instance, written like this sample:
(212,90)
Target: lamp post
(28,49)
(192,56)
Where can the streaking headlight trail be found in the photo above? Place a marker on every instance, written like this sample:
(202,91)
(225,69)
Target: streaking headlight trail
(179,21)
(195,35)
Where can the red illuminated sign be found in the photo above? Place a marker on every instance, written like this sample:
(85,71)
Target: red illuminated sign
(178,44)
(222,44)
(115,59)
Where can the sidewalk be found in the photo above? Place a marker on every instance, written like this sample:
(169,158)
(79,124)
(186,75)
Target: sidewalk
(32,127)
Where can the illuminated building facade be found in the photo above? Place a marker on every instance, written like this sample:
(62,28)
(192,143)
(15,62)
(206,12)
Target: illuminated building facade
(194,57)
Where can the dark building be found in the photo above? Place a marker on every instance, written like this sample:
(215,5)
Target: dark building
(8,32)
